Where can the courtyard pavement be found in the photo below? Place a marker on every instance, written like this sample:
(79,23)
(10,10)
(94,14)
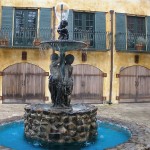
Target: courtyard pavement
(135,116)
(134,112)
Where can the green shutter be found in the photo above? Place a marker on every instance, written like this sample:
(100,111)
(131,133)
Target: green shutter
(148,33)
(45,24)
(70,24)
(100,30)
(7,23)
(120,31)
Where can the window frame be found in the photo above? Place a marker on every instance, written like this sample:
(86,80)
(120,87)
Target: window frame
(24,39)
(83,32)
(131,37)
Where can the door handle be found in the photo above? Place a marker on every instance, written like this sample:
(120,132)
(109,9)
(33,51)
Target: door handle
(82,83)
(23,83)
(136,83)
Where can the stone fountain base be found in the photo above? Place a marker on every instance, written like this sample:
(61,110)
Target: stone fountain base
(48,124)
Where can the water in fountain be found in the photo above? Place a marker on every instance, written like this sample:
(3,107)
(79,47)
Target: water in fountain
(12,136)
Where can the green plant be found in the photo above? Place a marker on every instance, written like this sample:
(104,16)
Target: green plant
(141,41)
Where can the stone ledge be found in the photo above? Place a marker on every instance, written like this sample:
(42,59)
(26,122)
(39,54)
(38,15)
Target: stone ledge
(4,148)
(8,120)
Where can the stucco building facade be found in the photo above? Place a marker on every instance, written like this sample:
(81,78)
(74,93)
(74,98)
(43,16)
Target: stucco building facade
(112,55)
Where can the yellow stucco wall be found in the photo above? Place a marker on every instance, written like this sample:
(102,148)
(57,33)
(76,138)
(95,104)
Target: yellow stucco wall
(140,7)
(100,60)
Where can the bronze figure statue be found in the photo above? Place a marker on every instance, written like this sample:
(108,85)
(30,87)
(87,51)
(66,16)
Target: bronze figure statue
(68,80)
(61,86)
(60,80)
(54,77)
(63,32)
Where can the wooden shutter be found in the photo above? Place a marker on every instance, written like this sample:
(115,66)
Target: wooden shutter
(70,24)
(100,30)
(148,33)
(120,31)
(45,24)
(7,23)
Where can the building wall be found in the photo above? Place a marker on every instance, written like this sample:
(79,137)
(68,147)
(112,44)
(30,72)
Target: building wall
(100,60)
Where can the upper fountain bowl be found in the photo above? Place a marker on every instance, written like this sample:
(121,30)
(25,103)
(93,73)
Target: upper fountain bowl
(65,45)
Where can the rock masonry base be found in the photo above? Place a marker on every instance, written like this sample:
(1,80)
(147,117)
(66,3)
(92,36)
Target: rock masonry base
(56,125)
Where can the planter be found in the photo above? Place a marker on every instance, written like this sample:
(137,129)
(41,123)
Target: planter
(139,47)
(36,42)
(3,42)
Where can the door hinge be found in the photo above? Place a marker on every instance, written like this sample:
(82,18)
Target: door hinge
(117,98)
(46,73)
(104,98)
(117,75)
(46,98)
(1,73)
(1,97)
(104,74)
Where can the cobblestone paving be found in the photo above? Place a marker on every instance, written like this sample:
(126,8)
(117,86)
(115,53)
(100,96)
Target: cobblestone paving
(8,111)
(134,112)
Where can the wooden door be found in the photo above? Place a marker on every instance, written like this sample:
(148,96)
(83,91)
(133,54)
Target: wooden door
(12,84)
(34,83)
(143,88)
(134,84)
(23,83)
(88,84)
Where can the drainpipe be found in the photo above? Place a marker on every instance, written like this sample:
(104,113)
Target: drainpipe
(54,25)
(111,56)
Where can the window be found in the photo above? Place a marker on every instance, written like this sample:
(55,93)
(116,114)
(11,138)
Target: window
(135,29)
(20,28)
(25,25)
(84,27)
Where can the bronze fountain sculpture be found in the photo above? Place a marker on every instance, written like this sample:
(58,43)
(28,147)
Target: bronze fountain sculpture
(60,81)
(61,122)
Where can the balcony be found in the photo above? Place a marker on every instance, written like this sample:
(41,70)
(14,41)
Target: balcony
(23,38)
(30,38)
(95,40)
(129,42)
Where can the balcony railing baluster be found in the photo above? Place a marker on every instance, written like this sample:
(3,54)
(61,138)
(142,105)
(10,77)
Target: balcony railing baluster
(25,37)
(96,40)
(128,41)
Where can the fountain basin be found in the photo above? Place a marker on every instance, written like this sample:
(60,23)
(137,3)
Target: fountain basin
(64,45)
(58,125)
(12,136)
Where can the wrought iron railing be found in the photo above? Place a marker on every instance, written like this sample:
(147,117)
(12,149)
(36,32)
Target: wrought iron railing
(5,36)
(95,40)
(31,37)
(24,37)
(131,42)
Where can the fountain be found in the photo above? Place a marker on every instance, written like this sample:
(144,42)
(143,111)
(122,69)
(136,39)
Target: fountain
(61,122)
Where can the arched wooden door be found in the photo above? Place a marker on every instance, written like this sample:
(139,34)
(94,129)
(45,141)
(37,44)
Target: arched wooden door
(88,84)
(23,83)
(135,84)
